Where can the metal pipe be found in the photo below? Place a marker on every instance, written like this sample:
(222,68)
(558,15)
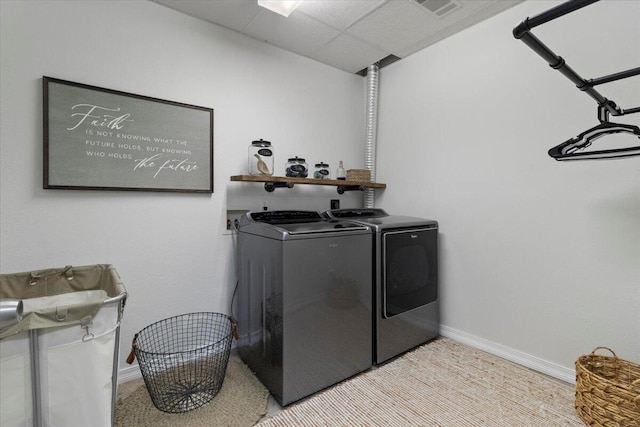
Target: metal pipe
(36,392)
(372,127)
(116,353)
(10,312)
(523,32)
(530,23)
(616,76)
(558,63)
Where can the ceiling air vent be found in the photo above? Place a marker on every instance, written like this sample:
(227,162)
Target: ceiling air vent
(440,8)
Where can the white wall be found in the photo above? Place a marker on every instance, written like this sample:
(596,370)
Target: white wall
(538,256)
(171,250)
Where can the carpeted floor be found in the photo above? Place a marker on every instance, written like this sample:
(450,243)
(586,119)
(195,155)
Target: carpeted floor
(443,383)
(241,402)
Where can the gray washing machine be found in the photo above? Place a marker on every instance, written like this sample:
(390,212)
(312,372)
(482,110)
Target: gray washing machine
(406,279)
(304,300)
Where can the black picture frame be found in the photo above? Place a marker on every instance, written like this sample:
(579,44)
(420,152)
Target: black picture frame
(103,139)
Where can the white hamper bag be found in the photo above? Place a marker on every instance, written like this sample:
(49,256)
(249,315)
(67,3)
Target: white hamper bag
(59,347)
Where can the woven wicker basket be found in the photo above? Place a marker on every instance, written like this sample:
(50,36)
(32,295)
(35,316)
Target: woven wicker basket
(607,390)
(359,175)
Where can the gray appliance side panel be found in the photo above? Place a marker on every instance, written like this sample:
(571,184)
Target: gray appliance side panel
(327,312)
(260,308)
(396,335)
(405,331)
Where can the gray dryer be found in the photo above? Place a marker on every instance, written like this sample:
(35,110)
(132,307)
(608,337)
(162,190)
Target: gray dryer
(406,279)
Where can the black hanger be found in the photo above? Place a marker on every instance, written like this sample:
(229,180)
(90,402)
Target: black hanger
(571,149)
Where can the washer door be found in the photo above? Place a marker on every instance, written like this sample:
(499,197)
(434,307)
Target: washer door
(409,270)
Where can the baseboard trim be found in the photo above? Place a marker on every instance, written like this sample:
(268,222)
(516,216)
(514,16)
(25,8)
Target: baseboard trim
(554,370)
(129,373)
(543,366)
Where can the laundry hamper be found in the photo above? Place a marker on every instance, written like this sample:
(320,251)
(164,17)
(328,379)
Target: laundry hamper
(607,390)
(183,359)
(59,351)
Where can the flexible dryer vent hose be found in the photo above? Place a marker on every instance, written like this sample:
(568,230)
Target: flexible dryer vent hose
(372,126)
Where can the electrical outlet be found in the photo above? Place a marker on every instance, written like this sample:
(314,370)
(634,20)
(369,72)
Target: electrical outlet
(233,218)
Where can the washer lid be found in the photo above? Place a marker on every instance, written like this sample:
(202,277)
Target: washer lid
(284,217)
(325,226)
(296,223)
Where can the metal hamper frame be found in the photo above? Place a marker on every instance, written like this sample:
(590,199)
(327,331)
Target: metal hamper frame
(14,283)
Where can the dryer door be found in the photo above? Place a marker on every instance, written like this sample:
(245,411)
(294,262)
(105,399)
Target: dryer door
(409,269)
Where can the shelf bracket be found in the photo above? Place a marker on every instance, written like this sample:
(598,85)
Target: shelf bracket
(270,186)
(343,188)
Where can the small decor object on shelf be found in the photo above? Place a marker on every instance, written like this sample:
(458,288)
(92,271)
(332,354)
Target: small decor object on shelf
(260,158)
(297,168)
(359,175)
(322,171)
(340,173)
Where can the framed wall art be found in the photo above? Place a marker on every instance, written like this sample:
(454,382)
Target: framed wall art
(102,139)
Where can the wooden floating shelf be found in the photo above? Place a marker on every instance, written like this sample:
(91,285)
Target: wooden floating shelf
(273,182)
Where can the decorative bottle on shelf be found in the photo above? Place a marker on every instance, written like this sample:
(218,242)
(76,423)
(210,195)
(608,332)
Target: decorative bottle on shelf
(340,173)
(260,158)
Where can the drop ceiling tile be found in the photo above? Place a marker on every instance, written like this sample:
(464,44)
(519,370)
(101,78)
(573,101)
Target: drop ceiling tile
(233,14)
(297,33)
(341,33)
(338,13)
(394,26)
(470,14)
(349,54)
